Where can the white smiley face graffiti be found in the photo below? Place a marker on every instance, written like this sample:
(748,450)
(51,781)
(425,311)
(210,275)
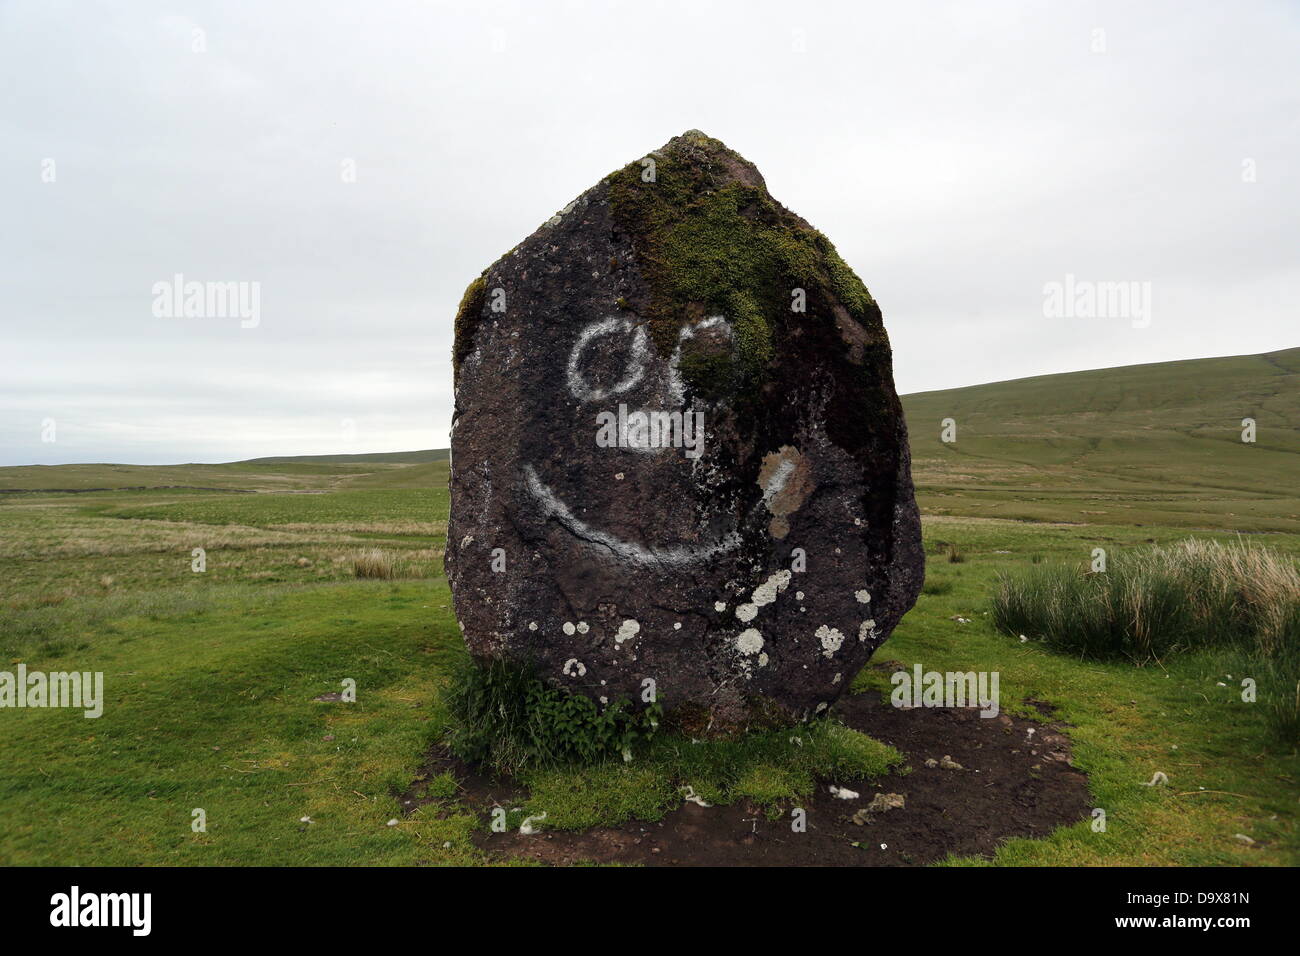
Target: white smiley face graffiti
(668,393)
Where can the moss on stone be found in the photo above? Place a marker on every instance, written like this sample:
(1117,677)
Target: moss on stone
(468,316)
(753,332)
(710,376)
(846,285)
(711,240)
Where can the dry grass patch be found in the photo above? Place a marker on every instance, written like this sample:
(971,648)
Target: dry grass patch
(118,537)
(427,529)
(377,563)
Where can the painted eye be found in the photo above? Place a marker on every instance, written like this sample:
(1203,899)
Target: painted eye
(704,360)
(609,357)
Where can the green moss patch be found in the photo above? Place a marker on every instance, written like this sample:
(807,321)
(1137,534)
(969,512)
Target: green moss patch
(711,240)
(468,315)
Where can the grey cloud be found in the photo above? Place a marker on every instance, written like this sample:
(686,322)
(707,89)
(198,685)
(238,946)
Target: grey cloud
(960,156)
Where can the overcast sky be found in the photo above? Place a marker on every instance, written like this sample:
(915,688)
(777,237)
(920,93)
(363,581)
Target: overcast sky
(362,162)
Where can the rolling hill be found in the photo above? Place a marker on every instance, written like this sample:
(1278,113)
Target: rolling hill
(1158,444)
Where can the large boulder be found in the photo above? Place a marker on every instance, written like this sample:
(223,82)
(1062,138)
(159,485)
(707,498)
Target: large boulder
(677,452)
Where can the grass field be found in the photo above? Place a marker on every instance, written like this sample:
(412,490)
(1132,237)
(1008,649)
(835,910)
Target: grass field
(213,678)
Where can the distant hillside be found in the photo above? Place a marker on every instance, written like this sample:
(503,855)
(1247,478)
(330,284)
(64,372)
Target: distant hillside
(1143,444)
(387,457)
(289,473)
(1158,443)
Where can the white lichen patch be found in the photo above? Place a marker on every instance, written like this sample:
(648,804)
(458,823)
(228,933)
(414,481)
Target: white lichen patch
(831,639)
(798,595)
(559,216)
(749,641)
(764,595)
(626,631)
(583,628)
(766,592)
(762,660)
(868,629)
(569,628)
(574,668)
(532,625)
(863,596)
(677,625)
(719,606)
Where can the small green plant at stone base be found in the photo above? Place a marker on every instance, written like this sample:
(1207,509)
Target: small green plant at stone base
(503,715)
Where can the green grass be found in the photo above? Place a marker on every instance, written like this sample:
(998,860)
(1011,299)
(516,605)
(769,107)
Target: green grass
(236,667)
(355,508)
(768,768)
(212,678)
(213,708)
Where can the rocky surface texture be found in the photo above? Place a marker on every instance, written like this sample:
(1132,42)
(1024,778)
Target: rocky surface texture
(742,549)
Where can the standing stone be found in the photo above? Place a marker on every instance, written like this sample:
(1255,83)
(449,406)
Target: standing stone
(678,460)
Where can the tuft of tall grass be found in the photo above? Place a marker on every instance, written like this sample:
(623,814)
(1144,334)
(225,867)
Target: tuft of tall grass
(374,564)
(1158,601)
(1149,604)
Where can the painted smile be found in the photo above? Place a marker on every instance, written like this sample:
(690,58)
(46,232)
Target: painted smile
(553,507)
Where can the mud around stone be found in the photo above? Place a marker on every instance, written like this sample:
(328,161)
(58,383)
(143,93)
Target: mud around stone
(1014,783)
